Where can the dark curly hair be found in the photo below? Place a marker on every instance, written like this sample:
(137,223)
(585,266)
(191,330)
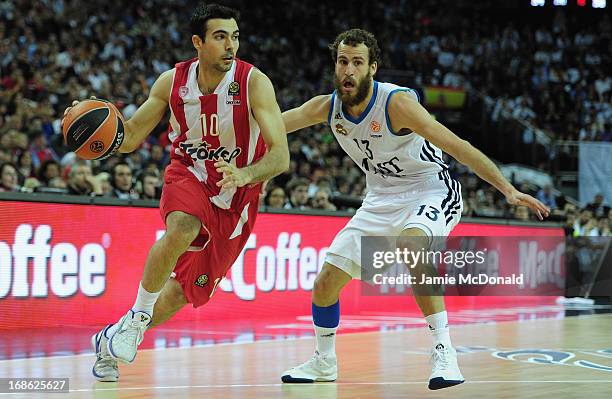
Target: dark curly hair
(354,37)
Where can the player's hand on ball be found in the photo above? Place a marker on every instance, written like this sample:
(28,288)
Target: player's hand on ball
(518,198)
(232,176)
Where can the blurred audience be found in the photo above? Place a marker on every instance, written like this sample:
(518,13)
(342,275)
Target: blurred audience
(81,180)
(321,200)
(598,207)
(8,177)
(149,186)
(298,194)
(122,183)
(275,198)
(552,73)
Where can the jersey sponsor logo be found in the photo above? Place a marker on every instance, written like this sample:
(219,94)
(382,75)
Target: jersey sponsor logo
(183,91)
(203,152)
(201,280)
(384,169)
(341,130)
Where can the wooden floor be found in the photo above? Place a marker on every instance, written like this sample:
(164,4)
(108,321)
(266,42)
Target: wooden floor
(574,360)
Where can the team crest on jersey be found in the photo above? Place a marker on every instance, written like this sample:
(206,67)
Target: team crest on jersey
(234,89)
(202,280)
(341,130)
(183,91)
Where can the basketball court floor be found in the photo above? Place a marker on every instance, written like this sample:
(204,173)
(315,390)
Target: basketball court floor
(515,352)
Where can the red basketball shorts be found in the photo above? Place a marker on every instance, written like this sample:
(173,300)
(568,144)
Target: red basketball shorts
(222,236)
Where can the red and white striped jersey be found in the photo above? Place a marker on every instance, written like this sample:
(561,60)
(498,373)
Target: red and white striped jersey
(208,128)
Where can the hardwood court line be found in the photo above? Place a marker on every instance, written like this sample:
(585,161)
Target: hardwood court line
(163,387)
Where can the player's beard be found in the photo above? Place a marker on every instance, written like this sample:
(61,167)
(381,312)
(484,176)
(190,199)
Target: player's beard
(363,88)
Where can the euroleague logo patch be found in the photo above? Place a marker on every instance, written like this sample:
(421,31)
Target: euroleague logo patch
(201,281)
(233,90)
(375,126)
(375,129)
(97,146)
(341,130)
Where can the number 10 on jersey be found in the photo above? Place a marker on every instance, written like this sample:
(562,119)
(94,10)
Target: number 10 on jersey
(209,124)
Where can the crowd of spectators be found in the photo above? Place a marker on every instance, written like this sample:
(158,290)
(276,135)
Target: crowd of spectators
(553,73)
(556,79)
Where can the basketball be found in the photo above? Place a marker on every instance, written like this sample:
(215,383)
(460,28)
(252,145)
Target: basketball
(93,129)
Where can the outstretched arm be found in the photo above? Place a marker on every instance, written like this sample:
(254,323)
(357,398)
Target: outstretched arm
(268,116)
(405,112)
(148,115)
(312,112)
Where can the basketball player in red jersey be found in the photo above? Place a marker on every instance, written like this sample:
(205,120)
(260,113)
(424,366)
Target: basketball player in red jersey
(228,138)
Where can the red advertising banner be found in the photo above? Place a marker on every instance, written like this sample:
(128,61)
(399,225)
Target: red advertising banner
(64,264)
(465,265)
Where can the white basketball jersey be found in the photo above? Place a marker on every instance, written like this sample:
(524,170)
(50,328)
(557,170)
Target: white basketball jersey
(392,163)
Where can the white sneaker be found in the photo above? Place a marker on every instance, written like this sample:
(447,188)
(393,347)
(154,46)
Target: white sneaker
(318,368)
(105,368)
(123,344)
(445,370)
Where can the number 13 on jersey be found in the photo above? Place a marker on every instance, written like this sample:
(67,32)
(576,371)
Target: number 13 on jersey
(431,213)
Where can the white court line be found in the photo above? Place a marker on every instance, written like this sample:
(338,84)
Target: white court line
(319,385)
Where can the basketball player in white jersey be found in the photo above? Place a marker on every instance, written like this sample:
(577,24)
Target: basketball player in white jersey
(228,137)
(397,144)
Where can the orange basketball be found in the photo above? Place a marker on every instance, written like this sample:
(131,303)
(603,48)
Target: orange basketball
(93,129)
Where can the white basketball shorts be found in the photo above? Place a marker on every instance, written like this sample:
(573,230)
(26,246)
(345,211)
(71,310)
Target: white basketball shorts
(434,207)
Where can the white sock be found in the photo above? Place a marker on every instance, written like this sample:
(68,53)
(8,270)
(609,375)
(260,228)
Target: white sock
(438,325)
(145,301)
(326,340)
